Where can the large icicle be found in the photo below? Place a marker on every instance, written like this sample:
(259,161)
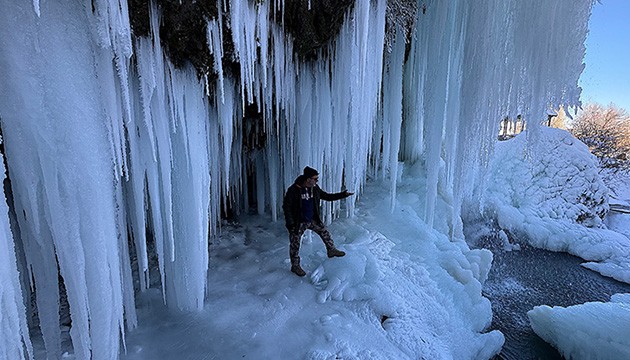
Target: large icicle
(186,272)
(15,342)
(60,160)
(392,111)
(486,63)
(436,98)
(215,43)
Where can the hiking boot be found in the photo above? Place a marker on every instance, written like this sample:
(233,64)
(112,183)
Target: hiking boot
(335,252)
(297,270)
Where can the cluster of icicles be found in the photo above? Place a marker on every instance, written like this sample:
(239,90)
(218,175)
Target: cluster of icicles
(104,138)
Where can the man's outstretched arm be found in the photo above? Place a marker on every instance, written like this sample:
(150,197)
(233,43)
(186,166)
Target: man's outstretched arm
(335,196)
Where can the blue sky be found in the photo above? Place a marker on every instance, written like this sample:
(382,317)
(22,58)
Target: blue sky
(606,78)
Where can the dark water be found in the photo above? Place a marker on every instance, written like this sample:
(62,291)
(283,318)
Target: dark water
(522,279)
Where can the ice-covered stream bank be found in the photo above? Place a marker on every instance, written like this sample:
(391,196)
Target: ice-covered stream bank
(555,202)
(522,279)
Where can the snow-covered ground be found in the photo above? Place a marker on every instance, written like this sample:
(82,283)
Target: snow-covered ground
(548,190)
(593,330)
(402,291)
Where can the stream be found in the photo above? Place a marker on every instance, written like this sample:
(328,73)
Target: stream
(522,279)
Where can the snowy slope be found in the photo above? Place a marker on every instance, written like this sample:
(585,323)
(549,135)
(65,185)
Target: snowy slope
(403,291)
(548,189)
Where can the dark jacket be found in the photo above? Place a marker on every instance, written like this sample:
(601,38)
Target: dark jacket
(292,204)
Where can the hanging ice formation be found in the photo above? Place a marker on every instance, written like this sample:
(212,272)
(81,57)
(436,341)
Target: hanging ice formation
(102,145)
(14,342)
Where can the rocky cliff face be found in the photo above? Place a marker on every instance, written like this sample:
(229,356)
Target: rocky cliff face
(184,23)
(312,24)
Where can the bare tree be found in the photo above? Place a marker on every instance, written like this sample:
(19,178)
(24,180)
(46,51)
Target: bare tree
(606,131)
(559,120)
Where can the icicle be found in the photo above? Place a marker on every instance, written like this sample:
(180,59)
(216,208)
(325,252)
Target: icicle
(112,32)
(436,101)
(215,43)
(136,198)
(243,20)
(40,257)
(146,72)
(415,77)
(260,183)
(129,303)
(273,164)
(226,114)
(186,272)
(262,34)
(392,110)
(14,342)
(75,217)
(36,7)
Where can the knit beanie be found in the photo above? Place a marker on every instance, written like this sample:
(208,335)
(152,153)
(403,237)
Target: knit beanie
(310,172)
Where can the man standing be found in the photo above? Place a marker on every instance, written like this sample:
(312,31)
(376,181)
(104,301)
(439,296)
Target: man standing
(301,212)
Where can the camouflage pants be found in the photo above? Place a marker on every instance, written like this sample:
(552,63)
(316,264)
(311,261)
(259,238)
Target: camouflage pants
(296,235)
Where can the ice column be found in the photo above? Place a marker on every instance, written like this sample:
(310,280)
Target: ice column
(186,271)
(392,111)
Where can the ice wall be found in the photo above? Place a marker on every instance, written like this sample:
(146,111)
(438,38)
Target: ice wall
(472,64)
(106,140)
(55,126)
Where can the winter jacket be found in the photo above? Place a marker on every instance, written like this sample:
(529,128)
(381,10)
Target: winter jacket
(292,204)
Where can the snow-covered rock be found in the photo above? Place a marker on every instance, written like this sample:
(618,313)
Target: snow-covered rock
(590,331)
(547,189)
(552,177)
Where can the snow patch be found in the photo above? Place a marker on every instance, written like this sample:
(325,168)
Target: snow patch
(593,330)
(352,277)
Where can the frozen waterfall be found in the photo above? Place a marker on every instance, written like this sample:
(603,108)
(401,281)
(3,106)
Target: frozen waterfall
(106,140)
